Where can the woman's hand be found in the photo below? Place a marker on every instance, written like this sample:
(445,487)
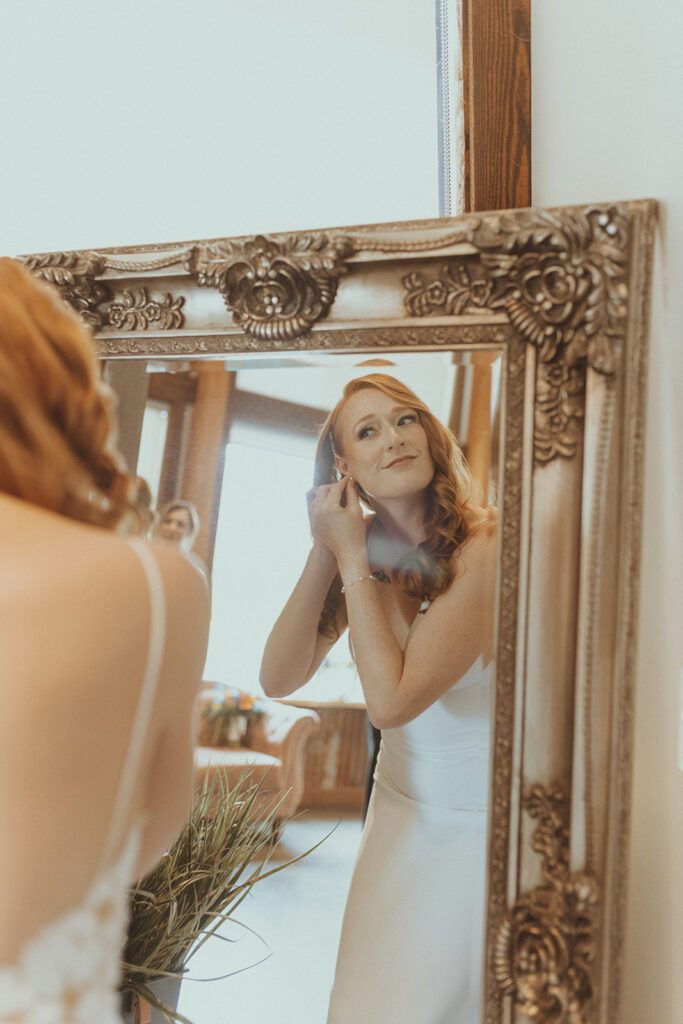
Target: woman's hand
(336,518)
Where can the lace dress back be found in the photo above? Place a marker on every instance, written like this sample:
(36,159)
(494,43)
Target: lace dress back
(69,971)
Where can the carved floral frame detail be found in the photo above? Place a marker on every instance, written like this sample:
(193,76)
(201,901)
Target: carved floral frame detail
(560,280)
(565,294)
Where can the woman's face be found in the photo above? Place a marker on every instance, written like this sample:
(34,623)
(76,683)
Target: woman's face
(176,525)
(384,445)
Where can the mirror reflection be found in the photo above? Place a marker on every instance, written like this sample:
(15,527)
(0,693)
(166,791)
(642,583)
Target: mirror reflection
(228,448)
(236,440)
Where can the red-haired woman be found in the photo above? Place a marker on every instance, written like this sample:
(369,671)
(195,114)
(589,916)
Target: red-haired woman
(415,584)
(103,638)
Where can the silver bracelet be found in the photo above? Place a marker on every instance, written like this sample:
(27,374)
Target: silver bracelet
(359,580)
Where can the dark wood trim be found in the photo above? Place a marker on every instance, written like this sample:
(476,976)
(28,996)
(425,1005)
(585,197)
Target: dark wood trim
(218,483)
(276,413)
(177,392)
(496,41)
(170,466)
(348,798)
(176,387)
(336,758)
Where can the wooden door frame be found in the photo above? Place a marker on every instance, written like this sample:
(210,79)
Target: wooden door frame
(495,74)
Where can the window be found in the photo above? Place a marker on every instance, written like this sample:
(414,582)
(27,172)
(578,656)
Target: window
(262,541)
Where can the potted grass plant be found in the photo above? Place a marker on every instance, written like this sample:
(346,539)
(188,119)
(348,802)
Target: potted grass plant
(193,889)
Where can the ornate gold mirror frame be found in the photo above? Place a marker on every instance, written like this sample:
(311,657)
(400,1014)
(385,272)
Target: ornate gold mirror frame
(564,295)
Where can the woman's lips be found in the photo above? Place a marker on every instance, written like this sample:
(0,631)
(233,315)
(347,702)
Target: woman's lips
(400,461)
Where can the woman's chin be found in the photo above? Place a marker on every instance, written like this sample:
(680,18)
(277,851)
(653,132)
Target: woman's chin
(398,492)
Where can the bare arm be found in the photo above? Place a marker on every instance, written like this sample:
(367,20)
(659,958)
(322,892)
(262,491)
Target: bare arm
(399,684)
(295,648)
(169,782)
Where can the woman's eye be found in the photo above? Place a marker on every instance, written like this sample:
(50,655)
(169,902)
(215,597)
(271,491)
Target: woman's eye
(409,417)
(364,432)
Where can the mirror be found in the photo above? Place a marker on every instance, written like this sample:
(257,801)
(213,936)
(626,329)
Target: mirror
(559,299)
(234,438)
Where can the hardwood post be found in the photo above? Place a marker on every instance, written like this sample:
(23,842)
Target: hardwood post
(497,97)
(203,464)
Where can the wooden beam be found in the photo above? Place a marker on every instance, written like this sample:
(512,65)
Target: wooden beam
(203,469)
(276,413)
(496,41)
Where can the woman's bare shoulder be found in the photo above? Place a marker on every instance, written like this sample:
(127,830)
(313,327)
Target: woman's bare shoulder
(78,552)
(74,582)
(483,527)
(484,518)
(180,569)
(188,601)
(479,550)
(121,578)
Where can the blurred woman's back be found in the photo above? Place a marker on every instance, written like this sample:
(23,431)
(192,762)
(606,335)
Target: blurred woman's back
(103,639)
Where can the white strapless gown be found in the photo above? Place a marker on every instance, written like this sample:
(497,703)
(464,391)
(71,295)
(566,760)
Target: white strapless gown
(411,949)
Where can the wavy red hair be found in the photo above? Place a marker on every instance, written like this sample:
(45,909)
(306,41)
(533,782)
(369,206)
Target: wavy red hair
(56,423)
(427,571)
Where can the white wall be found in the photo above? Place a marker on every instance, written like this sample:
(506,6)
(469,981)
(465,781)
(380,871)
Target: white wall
(170,120)
(607,88)
(176,119)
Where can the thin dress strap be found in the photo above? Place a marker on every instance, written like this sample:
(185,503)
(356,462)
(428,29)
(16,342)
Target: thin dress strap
(155,652)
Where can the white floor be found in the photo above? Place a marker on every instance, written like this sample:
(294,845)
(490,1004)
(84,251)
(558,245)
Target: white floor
(297,914)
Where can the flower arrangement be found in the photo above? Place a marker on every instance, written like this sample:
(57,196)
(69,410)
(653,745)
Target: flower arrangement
(228,711)
(196,886)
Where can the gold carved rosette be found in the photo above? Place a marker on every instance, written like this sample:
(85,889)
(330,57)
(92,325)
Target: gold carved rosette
(561,280)
(275,289)
(544,951)
(82,281)
(76,275)
(136,311)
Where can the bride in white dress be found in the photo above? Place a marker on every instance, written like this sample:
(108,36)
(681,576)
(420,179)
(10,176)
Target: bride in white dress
(415,584)
(103,639)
